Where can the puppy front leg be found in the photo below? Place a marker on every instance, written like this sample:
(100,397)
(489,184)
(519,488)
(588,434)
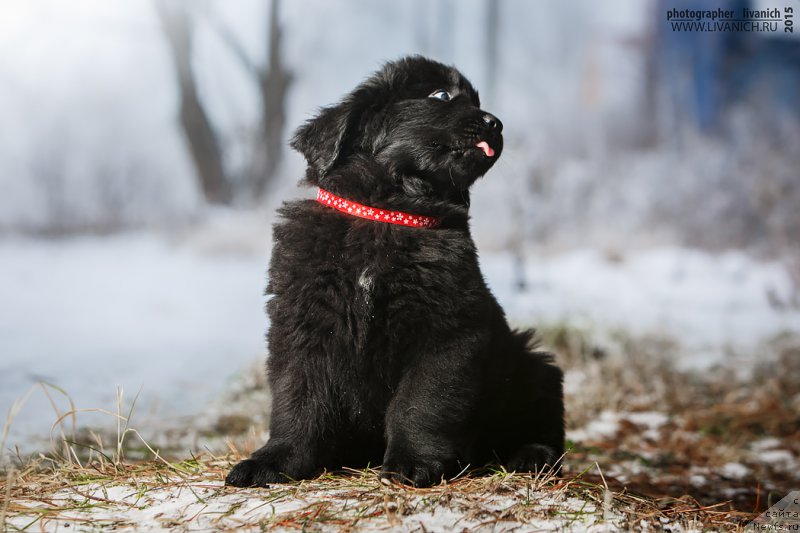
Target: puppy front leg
(427,420)
(293,450)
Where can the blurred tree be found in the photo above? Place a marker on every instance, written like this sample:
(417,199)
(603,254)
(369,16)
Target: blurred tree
(200,137)
(47,173)
(273,81)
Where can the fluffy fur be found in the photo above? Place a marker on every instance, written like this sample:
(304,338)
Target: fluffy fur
(386,346)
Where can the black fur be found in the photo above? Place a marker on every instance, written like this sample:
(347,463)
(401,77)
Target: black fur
(386,346)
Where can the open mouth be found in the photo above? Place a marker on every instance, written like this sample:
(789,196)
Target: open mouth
(476,147)
(487,150)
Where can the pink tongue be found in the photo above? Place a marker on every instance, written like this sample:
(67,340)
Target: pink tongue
(487,150)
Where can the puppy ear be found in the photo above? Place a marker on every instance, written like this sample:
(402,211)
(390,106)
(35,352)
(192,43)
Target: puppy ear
(340,130)
(325,138)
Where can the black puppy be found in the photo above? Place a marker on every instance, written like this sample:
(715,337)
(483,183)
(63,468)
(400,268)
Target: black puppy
(386,346)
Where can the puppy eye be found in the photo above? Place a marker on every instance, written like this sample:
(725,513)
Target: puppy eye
(440,94)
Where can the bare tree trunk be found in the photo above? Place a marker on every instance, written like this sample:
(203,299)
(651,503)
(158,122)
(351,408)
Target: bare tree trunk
(273,81)
(200,137)
(273,86)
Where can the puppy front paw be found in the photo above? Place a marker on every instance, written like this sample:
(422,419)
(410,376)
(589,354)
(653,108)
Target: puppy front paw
(409,470)
(533,458)
(255,473)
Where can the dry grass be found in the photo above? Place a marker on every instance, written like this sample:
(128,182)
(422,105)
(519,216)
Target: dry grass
(189,495)
(668,475)
(728,434)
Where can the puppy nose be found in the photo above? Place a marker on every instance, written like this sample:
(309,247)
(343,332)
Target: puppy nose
(493,122)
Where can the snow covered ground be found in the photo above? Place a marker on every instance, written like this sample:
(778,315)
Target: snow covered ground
(209,506)
(706,302)
(133,311)
(197,501)
(178,317)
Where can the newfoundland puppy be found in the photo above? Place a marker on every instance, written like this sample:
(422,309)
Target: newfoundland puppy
(386,346)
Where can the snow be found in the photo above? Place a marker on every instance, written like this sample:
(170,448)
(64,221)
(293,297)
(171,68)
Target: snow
(782,459)
(179,316)
(651,421)
(769,443)
(698,480)
(734,470)
(706,301)
(770,451)
(604,426)
(162,506)
(206,505)
(133,311)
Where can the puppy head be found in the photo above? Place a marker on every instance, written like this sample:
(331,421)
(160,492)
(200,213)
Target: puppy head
(414,117)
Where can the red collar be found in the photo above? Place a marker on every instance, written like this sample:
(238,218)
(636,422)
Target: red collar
(373,213)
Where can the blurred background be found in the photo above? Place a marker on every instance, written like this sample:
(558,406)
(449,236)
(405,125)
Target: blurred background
(650,182)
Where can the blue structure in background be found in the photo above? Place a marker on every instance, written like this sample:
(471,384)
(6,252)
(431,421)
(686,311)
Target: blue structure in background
(704,73)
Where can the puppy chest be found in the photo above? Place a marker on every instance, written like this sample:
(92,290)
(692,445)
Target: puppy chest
(398,303)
